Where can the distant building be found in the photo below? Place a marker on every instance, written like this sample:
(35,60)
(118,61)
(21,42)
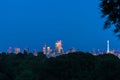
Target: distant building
(9,50)
(108,47)
(118,56)
(16,50)
(72,50)
(35,52)
(53,53)
(44,50)
(58,46)
(49,50)
(26,50)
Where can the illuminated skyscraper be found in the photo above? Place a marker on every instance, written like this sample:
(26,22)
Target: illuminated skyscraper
(49,50)
(108,47)
(17,50)
(9,50)
(58,46)
(44,49)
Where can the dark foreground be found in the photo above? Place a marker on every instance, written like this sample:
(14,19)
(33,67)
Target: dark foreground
(73,66)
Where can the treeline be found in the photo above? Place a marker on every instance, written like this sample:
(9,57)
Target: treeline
(73,66)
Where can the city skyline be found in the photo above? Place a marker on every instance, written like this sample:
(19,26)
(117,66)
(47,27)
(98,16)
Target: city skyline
(33,23)
(58,48)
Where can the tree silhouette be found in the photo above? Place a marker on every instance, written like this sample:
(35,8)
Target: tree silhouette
(111,11)
(72,66)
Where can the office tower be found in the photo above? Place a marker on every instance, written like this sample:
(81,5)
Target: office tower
(44,49)
(98,51)
(35,52)
(17,50)
(58,47)
(48,50)
(26,50)
(9,50)
(108,47)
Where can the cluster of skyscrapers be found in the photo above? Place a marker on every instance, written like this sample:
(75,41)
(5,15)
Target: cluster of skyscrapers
(17,50)
(47,50)
(57,51)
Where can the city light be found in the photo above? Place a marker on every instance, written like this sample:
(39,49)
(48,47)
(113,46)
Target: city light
(58,50)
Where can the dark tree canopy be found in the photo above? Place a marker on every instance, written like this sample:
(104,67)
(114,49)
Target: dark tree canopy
(111,11)
(72,66)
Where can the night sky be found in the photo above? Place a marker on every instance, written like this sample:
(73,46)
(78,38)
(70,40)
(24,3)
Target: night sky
(32,23)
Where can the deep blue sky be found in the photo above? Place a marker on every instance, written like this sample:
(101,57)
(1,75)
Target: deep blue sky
(31,23)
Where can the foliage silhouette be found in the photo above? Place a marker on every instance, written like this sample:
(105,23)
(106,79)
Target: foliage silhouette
(72,66)
(111,11)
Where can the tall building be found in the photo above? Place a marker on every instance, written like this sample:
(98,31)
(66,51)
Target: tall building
(49,50)
(9,50)
(16,50)
(44,49)
(35,52)
(26,50)
(108,46)
(98,51)
(58,46)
